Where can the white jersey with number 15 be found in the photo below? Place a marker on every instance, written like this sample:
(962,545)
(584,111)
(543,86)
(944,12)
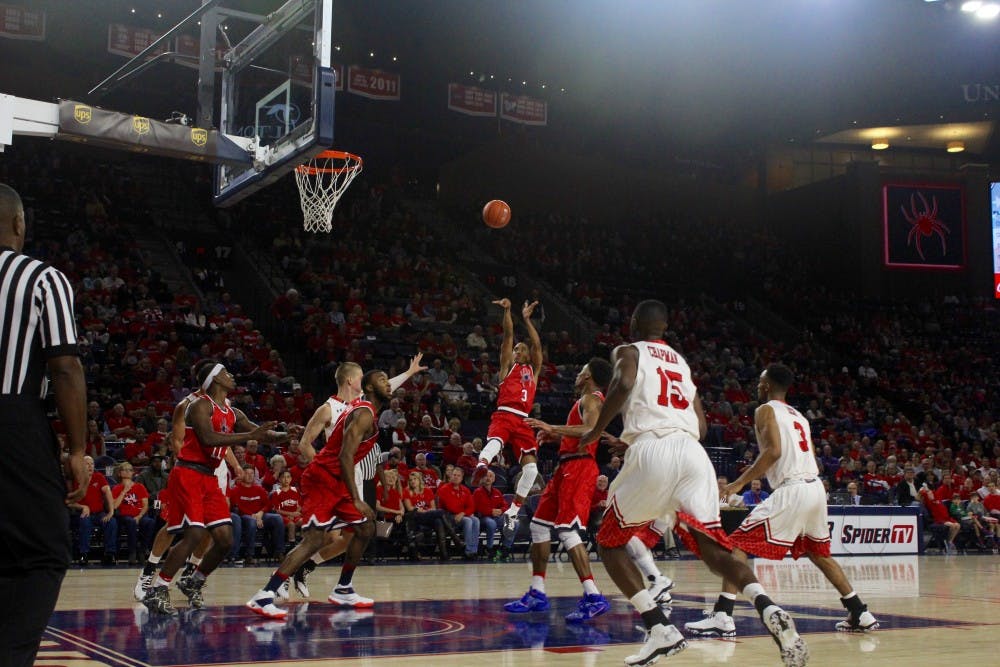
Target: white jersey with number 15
(662,400)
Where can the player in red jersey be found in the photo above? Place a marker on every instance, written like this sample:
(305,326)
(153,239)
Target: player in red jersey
(519,368)
(348,379)
(565,503)
(331,499)
(198,505)
(164,538)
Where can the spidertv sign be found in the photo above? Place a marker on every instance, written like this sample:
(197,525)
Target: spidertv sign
(924,226)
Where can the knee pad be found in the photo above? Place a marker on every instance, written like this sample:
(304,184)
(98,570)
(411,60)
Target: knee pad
(540,533)
(569,538)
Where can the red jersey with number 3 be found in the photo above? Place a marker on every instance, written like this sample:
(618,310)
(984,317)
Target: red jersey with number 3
(223,420)
(570,445)
(797,460)
(328,458)
(517,390)
(662,399)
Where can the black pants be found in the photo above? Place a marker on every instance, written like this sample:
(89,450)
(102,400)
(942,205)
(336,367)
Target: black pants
(34,545)
(26,600)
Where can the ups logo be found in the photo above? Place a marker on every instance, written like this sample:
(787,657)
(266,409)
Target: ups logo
(199,137)
(140,124)
(82,113)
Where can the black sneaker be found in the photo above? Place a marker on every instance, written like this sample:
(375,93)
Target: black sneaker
(157,601)
(188,570)
(191,587)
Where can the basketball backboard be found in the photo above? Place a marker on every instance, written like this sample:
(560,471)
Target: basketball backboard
(265,94)
(277,92)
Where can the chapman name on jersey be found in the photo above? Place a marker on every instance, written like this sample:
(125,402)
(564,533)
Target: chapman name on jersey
(662,400)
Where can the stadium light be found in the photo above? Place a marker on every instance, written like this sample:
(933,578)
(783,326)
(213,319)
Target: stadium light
(956,146)
(988,11)
(880,144)
(972,6)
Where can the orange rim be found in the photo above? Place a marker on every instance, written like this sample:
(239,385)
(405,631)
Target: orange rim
(331,155)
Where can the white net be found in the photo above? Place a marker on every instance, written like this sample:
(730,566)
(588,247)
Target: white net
(322,180)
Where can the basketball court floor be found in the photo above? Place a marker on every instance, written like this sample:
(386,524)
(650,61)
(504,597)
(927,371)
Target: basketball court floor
(932,609)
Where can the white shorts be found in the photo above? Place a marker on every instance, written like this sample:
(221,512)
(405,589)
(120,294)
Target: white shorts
(793,518)
(660,477)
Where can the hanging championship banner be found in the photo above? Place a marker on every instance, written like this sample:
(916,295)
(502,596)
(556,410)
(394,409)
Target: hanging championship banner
(373,83)
(523,109)
(924,226)
(22,23)
(471,100)
(129,41)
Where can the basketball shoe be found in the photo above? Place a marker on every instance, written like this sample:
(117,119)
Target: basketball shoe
(300,577)
(284,592)
(590,606)
(659,589)
(142,586)
(794,652)
(531,601)
(191,587)
(262,603)
(864,622)
(157,601)
(715,624)
(478,474)
(661,641)
(346,597)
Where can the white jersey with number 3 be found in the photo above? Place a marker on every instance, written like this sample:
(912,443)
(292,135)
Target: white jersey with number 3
(662,400)
(797,460)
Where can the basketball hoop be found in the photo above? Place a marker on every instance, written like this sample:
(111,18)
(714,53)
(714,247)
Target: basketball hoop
(322,180)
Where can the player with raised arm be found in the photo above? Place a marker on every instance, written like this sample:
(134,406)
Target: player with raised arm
(197,504)
(348,379)
(667,476)
(519,368)
(331,499)
(794,518)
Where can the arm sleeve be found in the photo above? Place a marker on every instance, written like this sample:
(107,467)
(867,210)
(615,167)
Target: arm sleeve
(54,300)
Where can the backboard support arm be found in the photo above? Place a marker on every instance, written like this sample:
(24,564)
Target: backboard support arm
(127,70)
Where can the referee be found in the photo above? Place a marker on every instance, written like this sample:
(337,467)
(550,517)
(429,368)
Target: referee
(37,334)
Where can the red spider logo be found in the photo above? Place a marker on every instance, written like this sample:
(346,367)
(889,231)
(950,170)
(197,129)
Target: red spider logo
(924,222)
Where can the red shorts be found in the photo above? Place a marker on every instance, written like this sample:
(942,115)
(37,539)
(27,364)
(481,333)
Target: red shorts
(511,429)
(195,500)
(565,502)
(648,535)
(326,503)
(164,499)
(613,534)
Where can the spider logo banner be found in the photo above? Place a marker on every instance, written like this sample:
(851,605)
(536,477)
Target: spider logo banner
(924,226)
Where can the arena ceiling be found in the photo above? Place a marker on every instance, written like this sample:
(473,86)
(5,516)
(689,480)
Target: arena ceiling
(654,74)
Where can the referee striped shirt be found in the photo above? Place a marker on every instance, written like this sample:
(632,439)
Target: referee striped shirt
(36,322)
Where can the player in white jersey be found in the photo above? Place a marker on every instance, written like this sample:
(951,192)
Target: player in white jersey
(667,476)
(793,518)
(348,379)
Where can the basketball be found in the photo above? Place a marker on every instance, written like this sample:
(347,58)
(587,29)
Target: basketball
(496,214)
